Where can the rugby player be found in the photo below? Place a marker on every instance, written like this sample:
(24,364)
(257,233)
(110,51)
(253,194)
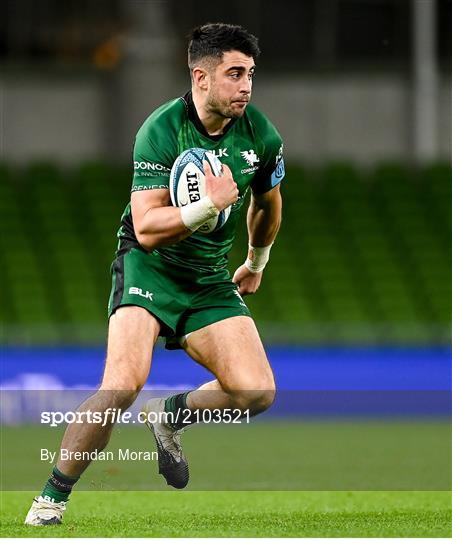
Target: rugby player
(170,280)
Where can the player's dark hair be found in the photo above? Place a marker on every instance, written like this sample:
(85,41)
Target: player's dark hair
(214,39)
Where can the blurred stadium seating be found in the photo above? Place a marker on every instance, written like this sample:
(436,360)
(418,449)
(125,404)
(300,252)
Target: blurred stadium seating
(363,255)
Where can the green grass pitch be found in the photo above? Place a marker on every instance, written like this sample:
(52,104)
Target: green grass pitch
(269,479)
(238,513)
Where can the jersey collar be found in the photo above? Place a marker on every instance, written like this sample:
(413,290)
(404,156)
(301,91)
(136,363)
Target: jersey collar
(194,118)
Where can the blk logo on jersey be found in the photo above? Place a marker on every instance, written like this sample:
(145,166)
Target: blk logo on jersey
(221,152)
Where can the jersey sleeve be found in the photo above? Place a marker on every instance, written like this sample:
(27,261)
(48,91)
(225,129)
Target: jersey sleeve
(154,153)
(271,172)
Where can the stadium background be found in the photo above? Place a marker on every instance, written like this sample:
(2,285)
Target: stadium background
(357,295)
(363,255)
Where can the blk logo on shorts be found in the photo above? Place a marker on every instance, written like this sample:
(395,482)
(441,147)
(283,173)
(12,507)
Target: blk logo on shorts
(139,292)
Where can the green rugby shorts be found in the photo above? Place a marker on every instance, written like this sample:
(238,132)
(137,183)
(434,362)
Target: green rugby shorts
(181,298)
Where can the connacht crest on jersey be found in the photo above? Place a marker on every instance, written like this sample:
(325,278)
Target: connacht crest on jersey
(250,157)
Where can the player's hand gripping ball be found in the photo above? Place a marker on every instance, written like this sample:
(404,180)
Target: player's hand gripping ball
(188,183)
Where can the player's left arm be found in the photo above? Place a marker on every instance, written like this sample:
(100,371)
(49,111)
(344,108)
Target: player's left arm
(264,211)
(263,221)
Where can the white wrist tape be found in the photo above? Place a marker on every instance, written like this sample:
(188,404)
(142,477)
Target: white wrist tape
(258,258)
(196,214)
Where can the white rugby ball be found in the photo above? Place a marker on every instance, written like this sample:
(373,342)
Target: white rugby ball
(188,183)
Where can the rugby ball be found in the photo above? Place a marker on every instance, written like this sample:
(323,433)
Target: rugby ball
(188,183)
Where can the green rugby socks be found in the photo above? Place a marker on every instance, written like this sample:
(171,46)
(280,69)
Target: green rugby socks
(58,486)
(181,414)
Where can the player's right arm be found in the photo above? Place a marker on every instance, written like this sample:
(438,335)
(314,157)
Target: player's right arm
(157,223)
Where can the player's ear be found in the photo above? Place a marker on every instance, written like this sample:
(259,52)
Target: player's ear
(200,78)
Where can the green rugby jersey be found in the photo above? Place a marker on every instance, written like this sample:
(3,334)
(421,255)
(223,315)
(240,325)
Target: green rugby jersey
(250,146)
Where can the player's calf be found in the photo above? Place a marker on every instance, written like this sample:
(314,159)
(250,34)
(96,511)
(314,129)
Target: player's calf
(48,508)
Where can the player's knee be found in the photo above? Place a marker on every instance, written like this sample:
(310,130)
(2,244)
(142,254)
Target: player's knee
(263,400)
(257,400)
(121,393)
(117,398)
(267,398)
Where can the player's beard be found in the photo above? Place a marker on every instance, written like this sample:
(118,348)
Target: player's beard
(224,108)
